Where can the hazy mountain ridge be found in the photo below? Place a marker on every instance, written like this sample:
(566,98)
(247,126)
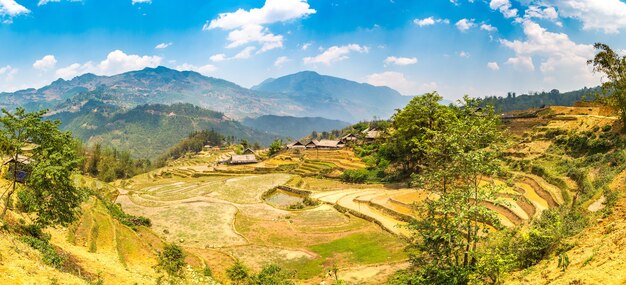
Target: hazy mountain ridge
(293,127)
(333,97)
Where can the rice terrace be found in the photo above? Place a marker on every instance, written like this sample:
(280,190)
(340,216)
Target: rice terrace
(288,142)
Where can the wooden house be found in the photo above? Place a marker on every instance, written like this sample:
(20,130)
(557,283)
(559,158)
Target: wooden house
(311,144)
(328,144)
(296,145)
(242,159)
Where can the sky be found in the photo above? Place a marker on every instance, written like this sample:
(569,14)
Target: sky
(456,47)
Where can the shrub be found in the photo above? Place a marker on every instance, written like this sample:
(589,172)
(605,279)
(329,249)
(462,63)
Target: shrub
(273,275)
(50,256)
(238,273)
(310,202)
(171,259)
(354,176)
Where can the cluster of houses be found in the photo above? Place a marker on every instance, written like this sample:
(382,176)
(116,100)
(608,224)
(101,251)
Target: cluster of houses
(250,157)
(368,135)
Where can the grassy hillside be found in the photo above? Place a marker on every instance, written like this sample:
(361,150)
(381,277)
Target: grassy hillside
(148,130)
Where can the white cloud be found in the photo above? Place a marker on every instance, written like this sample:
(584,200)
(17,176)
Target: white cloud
(141,2)
(493,66)
(430,21)
(254,33)
(11,8)
(606,15)
(247,26)
(245,53)
(306,46)
(562,62)
(521,63)
(488,28)
(395,80)
(400,60)
(464,54)
(46,63)
(44,2)
(504,6)
(465,24)
(280,61)
(218,57)
(548,13)
(163,45)
(205,69)
(116,62)
(273,11)
(8,72)
(335,53)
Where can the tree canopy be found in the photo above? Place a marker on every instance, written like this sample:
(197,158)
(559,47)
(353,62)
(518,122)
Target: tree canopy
(48,189)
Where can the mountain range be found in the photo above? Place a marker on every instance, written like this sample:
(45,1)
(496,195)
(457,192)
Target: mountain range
(148,130)
(304,94)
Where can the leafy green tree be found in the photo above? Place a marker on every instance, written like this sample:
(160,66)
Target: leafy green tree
(412,127)
(171,260)
(48,189)
(614,67)
(458,148)
(275,147)
(238,273)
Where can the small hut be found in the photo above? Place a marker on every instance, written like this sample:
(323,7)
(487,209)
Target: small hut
(348,138)
(312,144)
(328,144)
(296,145)
(21,166)
(242,159)
(249,151)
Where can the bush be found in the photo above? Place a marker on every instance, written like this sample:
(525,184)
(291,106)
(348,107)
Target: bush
(171,259)
(273,275)
(310,202)
(355,176)
(50,256)
(238,273)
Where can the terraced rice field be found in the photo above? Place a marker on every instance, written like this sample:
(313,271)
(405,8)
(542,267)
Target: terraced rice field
(226,213)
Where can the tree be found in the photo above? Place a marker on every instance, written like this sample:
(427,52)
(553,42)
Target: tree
(238,273)
(275,147)
(171,260)
(48,189)
(614,67)
(460,149)
(412,126)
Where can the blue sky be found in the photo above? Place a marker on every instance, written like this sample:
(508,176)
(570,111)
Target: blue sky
(457,47)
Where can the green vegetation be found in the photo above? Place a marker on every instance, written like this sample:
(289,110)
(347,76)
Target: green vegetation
(108,164)
(47,187)
(453,148)
(171,260)
(194,143)
(514,102)
(614,67)
(147,131)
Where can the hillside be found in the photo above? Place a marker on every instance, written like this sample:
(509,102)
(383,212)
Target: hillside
(148,130)
(522,102)
(301,94)
(332,97)
(293,127)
